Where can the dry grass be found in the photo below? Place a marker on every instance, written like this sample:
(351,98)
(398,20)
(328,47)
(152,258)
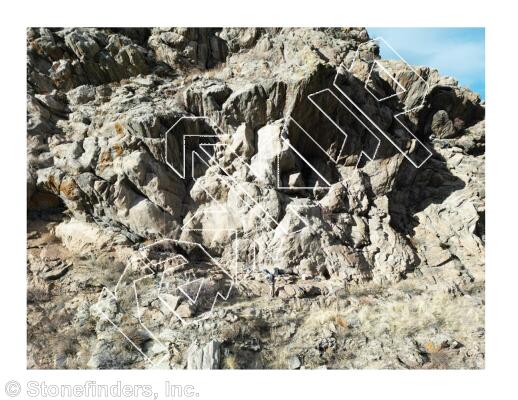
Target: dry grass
(404,311)
(230,362)
(341,321)
(280,358)
(432,348)
(404,318)
(230,333)
(215,71)
(119,129)
(317,319)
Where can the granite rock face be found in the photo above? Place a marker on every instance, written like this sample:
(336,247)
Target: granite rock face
(325,163)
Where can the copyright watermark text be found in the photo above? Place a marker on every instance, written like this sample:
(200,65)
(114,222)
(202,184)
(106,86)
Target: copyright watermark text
(92,390)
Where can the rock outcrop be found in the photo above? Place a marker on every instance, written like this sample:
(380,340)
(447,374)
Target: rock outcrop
(323,162)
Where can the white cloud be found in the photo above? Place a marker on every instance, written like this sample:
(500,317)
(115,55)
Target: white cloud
(456,52)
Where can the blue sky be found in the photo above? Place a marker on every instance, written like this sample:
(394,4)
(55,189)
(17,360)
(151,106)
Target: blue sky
(456,52)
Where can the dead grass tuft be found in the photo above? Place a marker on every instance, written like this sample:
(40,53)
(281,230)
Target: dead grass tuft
(230,362)
(119,129)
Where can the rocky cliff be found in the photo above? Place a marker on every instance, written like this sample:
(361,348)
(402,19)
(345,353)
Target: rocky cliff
(250,198)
